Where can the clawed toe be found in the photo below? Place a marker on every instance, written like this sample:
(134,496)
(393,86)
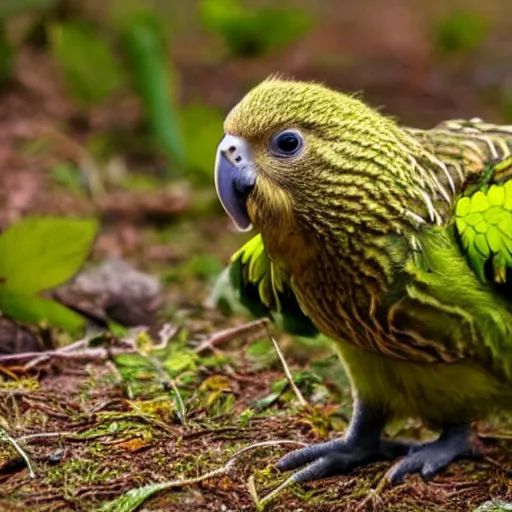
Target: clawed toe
(332,464)
(315,452)
(430,458)
(337,457)
(362,444)
(340,456)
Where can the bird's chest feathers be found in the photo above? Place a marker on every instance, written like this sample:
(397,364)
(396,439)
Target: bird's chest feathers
(364,300)
(340,305)
(339,301)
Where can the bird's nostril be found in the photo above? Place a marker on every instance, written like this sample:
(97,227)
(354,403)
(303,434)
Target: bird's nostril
(238,159)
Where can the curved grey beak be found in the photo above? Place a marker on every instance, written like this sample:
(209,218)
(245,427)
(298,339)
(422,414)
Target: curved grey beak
(235,178)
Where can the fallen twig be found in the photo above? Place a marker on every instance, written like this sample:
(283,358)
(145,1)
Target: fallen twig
(230,334)
(165,335)
(170,383)
(44,435)
(92,354)
(373,497)
(261,503)
(19,449)
(223,470)
(45,408)
(287,372)
(9,373)
(45,356)
(499,465)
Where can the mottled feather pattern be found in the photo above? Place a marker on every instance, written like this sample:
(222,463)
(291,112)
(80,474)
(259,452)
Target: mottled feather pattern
(478,157)
(376,142)
(375,230)
(464,148)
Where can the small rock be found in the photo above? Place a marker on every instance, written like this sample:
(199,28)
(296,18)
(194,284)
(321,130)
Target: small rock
(114,290)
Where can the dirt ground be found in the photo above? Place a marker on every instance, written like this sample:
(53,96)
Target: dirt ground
(107,419)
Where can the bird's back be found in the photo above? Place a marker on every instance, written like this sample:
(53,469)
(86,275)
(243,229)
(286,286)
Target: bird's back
(475,164)
(466,148)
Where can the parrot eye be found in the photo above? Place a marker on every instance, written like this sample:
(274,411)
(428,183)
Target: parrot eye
(287,143)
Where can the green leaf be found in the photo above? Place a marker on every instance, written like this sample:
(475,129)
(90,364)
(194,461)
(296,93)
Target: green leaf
(245,417)
(180,361)
(145,51)
(131,500)
(253,32)
(90,68)
(38,253)
(495,506)
(135,361)
(36,310)
(267,401)
(460,32)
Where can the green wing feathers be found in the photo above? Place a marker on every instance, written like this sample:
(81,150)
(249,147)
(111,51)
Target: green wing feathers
(259,271)
(264,290)
(483,220)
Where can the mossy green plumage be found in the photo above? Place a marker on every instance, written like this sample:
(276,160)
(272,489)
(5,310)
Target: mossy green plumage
(395,242)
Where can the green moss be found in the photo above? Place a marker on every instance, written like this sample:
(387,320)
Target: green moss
(82,472)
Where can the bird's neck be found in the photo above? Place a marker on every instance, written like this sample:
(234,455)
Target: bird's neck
(345,262)
(340,284)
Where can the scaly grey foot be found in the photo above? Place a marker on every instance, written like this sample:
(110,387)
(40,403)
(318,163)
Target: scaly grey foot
(430,458)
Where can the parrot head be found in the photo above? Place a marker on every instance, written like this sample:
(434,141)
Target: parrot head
(298,153)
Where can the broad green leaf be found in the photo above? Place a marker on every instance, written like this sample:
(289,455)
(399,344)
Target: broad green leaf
(38,253)
(36,310)
(90,68)
(131,500)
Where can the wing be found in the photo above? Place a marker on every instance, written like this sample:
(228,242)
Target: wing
(477,159)
(483,221)
(465,149)
(255,282)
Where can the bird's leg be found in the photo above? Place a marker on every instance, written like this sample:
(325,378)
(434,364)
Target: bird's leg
(429,458)
(360,445)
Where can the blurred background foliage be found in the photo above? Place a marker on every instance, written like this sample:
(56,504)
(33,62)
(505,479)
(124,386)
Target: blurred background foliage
(106,51)
(114,108)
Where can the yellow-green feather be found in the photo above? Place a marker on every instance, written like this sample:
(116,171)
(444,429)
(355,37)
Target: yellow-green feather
(483,221)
